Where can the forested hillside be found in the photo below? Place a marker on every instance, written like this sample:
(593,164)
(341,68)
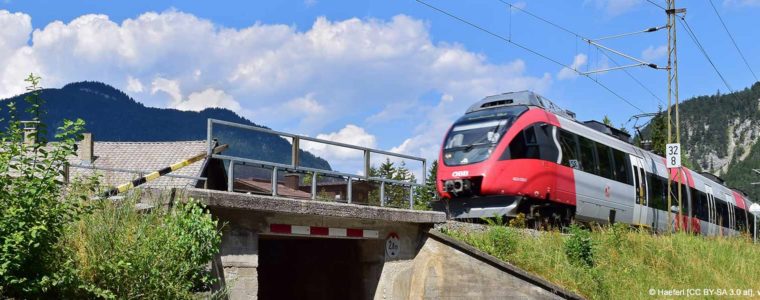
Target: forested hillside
(720,135)
(111,115)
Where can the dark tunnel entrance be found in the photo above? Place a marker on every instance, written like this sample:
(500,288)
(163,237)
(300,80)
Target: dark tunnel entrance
(314,268)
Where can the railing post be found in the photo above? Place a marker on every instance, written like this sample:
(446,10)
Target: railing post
(209,128)
(314,185)
(274,181)
(366,164)
(295,158)
(230,175)
(424,170)
(349,189)
(382,193)
(411,197)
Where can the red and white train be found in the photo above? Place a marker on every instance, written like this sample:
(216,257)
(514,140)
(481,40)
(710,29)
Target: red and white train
(520,153)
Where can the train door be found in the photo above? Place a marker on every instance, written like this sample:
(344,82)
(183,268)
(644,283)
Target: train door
(640,205)
(731,212)
(711,212)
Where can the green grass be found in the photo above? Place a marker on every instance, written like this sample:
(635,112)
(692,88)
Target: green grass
(626,263)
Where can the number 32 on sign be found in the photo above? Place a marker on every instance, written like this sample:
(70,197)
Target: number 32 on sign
(673,155)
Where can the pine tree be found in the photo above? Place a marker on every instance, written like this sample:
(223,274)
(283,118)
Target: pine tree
(659,133)
(607,121)
(427,193)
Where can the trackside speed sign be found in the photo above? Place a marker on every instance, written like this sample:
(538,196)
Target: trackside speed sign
(673,155)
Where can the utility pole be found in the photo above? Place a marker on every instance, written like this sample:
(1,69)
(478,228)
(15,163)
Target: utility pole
(672,12)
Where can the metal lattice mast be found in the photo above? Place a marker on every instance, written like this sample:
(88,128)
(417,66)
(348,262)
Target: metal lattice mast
(672,12)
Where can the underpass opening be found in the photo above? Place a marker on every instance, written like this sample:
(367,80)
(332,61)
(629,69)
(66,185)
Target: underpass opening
(318,268)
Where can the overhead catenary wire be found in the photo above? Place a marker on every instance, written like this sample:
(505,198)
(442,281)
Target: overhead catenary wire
(695,39)
(732,39)
(508,40)
(655,4)
(583,38)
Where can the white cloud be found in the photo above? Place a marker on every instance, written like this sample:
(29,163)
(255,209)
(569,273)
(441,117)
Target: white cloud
(305,105)
(652,54)
(350,134)
(570,73)
(208,98)
(170,87)
(134,85)
(334,73)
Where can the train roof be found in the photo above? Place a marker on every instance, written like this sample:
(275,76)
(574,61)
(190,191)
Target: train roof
(520,98)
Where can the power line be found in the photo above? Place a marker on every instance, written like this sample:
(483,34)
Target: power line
(694,38)
(508,40)
(655,4)
(732,40)
(581,37)
(659,100)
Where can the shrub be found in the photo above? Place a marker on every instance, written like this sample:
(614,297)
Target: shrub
(161,254)
(518,221)
(504,240)
(579,247)
(34,205)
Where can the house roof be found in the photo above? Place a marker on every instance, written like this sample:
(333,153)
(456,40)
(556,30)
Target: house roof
(141,156)
(261,186)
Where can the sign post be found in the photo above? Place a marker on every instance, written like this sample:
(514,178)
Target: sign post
(755,210)
(673,155)
(673,161)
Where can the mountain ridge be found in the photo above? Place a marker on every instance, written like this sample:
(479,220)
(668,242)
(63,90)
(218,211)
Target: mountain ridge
(111,115)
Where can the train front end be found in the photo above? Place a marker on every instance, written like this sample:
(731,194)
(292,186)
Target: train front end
(477,175)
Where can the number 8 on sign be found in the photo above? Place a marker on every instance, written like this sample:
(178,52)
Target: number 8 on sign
(673,155)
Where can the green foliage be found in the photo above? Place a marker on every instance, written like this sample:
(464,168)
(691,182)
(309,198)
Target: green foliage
(607,121)
(395,195)
(659,132)
(427,193)
(168,251)
(579,247)
(519,221)
(34,206)
(627,263)
(55,242)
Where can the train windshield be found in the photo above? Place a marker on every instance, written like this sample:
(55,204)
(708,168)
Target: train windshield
(474,136)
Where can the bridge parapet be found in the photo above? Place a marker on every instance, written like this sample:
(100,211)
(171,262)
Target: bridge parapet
(295,167)
(262,203)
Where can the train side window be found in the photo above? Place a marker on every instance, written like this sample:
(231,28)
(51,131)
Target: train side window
(699,200)
(569,145)
(684,196)
(657,195)
(722,209)
(621,166)
(545,137)
(605,160)
(525,144)
(741,219)
(536,142)
(588,161)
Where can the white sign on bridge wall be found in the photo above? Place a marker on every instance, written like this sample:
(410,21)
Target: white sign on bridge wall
(392,245)
(673,155)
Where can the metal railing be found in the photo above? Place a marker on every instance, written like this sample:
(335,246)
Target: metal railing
(295,166)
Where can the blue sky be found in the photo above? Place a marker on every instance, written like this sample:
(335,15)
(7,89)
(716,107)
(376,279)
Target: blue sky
(386,74)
